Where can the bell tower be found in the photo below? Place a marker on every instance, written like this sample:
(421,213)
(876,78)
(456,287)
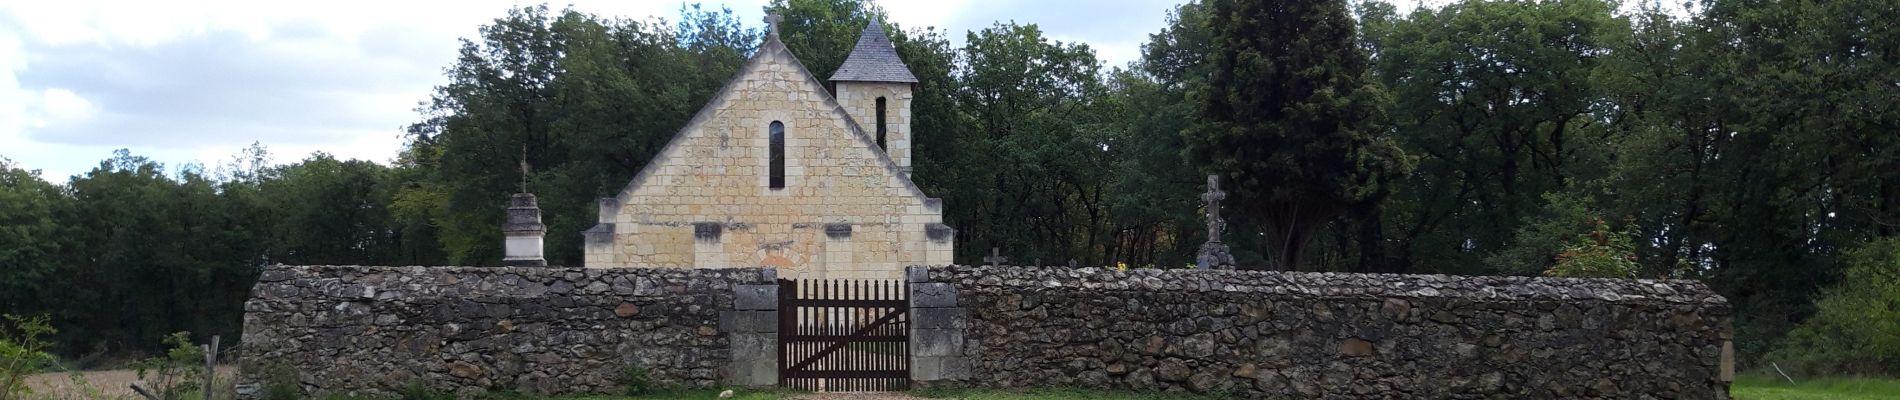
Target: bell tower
(875,87)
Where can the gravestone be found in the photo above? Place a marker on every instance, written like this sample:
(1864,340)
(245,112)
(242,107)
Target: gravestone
(995,258)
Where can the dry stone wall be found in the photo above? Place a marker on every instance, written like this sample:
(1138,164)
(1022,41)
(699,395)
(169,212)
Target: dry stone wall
(373,330)
(1321,335)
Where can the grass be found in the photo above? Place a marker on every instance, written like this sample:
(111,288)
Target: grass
(681,394)
(1763,387)
(1053,394)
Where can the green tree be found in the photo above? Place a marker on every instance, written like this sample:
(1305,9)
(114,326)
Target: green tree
(1856,325)
(33,242)
(584,101)
(128,289)
(1499,98)
(1034,173)
(1288,118)
(326,211)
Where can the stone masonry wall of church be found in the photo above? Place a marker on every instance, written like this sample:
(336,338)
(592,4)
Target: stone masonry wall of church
(841,215)
(370,331)
(860,100)
(1320,335)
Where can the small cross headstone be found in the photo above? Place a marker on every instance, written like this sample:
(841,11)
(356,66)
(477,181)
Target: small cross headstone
(771,22)
(995,258)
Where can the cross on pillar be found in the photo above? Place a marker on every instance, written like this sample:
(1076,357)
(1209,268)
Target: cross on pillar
(995,258)
(1213,197)
(771,22)
(1214,254)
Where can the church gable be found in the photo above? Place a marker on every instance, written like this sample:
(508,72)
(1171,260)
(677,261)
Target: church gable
(730,137)
(820,198)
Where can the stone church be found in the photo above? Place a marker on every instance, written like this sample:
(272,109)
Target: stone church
(776,170)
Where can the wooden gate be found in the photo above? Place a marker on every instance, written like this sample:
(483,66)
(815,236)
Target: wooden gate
(844,336)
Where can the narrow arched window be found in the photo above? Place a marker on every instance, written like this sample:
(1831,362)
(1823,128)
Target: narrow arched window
(777,163)
(880,123)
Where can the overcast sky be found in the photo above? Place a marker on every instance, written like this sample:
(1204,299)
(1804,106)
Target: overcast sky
(199,80)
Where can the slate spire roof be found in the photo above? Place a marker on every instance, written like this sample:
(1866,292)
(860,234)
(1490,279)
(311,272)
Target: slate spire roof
(874,59)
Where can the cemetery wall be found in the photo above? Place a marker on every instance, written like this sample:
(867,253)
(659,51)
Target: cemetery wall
(370,331)
(1320,335)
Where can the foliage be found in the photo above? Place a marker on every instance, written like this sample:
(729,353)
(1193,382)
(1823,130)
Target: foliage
(1600,253)
(1856,325)
(22,353)
(637,380)
(1499,96)
(1540,240)
(420,391)
(282,382)
(1288,118)
(178,375)
(28,254)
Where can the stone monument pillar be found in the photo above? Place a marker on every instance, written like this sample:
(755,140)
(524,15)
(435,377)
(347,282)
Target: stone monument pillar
(1214,254)
(521,243)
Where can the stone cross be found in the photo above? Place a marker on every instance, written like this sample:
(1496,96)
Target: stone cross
(1213,197)
(995,258)
(771,22)
(1214,254)
(524,168)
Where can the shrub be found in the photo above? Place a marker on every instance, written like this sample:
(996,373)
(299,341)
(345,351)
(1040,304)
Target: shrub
(638,381)
(1856,325)
(180,374)
(22,353)
(419,391)
(1599,253)
(281,382)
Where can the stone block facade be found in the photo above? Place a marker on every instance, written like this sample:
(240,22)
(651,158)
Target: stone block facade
(373,330)
(859,99)
(846,211)
(1320,335)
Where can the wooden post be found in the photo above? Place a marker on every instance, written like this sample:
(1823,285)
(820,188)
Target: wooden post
(211,366)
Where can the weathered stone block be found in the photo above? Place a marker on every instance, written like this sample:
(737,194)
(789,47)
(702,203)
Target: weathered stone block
(754,346)
(754,373)
(750,321)
(755,297)
(938,318)
(925,295)
(936,342)
(916,274)
(926,368)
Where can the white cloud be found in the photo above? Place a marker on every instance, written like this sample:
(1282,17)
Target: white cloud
(198,80)
(59,104)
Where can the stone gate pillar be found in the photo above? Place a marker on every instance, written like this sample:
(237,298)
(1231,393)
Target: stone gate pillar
(751,329)
(936,330)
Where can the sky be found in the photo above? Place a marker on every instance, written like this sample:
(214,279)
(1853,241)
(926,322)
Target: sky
(197,81)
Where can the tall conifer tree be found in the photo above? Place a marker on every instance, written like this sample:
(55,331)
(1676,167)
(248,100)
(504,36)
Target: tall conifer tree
(1287,116)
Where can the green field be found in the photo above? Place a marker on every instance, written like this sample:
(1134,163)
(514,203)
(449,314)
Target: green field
(1777,388)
